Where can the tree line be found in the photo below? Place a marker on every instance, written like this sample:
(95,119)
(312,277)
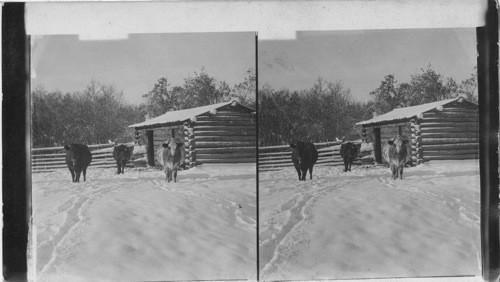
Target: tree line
(327,111)
(99,113)
(324,112)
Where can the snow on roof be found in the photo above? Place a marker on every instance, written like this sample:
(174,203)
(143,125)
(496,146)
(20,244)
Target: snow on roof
(406,113)
(180,116)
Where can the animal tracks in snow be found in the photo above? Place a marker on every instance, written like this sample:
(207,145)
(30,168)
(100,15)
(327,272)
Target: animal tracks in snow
(283,231)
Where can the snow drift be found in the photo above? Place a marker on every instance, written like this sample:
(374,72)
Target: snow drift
(363,224)
(135,226)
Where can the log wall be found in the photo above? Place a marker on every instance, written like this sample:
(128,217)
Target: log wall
(451,133)
(227,136)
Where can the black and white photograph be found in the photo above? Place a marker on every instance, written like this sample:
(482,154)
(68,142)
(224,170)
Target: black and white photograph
(144,157)
(250,141)
(369,155)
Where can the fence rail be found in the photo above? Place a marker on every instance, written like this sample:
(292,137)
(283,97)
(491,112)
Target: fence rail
(278,157)
(53,158)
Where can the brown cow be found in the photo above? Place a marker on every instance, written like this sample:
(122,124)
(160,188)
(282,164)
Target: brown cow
(395,152)
(171,155)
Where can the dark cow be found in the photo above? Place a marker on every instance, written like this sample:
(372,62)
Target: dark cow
(122,154)
(171,155)
(78,158)
(304,156)
(395,152)
(349,152)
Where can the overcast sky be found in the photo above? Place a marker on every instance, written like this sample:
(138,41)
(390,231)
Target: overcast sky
(361,59)
(65,63)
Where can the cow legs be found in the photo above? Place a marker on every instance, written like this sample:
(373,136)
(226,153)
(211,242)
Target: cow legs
(175,175)
(299,173)
(304,173)
(401,172)
(72,175)
(310,173)
(77,176)
(84,174)
(168,172)
(346,166)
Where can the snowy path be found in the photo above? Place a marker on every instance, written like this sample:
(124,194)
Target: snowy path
(363,224)
(139,227)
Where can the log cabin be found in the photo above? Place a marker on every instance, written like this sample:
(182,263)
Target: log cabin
(443,130)
(218,133)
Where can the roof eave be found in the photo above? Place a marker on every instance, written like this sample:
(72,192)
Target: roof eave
(367,124)
(156,125)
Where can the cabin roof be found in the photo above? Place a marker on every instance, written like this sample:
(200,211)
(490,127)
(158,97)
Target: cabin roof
(181,116)
(404,114)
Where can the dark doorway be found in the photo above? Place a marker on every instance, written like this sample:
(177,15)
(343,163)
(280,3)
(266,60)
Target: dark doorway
(150,147)
(377,146)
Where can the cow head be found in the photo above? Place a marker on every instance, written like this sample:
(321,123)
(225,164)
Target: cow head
(72,155)
(399,144)
(172,146)
(298,151)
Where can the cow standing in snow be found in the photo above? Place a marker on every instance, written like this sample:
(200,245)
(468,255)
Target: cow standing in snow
(349,152)
(395,152)
(171,155)
(78,158)
(122,154)
(304,156)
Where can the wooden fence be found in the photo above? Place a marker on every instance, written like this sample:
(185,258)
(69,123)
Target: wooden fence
(278,157)
(50,159)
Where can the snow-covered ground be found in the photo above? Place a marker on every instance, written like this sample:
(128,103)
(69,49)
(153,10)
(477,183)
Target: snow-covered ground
(363,224)
(138,227)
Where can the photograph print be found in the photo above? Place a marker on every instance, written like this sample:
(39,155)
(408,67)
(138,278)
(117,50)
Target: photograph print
(143,157)
(369,155)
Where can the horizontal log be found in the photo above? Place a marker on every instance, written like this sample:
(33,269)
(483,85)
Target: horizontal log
(204,144)
(451,152)
(50,166)
(234,160)
(225,128)
(451,124)
(318,146)
(265,154)
(226,138)
(450,135)
(233,111)
(225,133)
(226,123)
(449,129)
(438,141)
(456,109)
(451,157)
(460,146)
(39,160)
(221,118)
(225,156)
(249,149)
(452,114)
(94,146)
(451,119)
(34,155)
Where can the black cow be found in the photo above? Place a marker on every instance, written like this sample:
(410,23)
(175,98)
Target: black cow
(78,158)
(349,151)
(304,156)
(122,154)
(395,152)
